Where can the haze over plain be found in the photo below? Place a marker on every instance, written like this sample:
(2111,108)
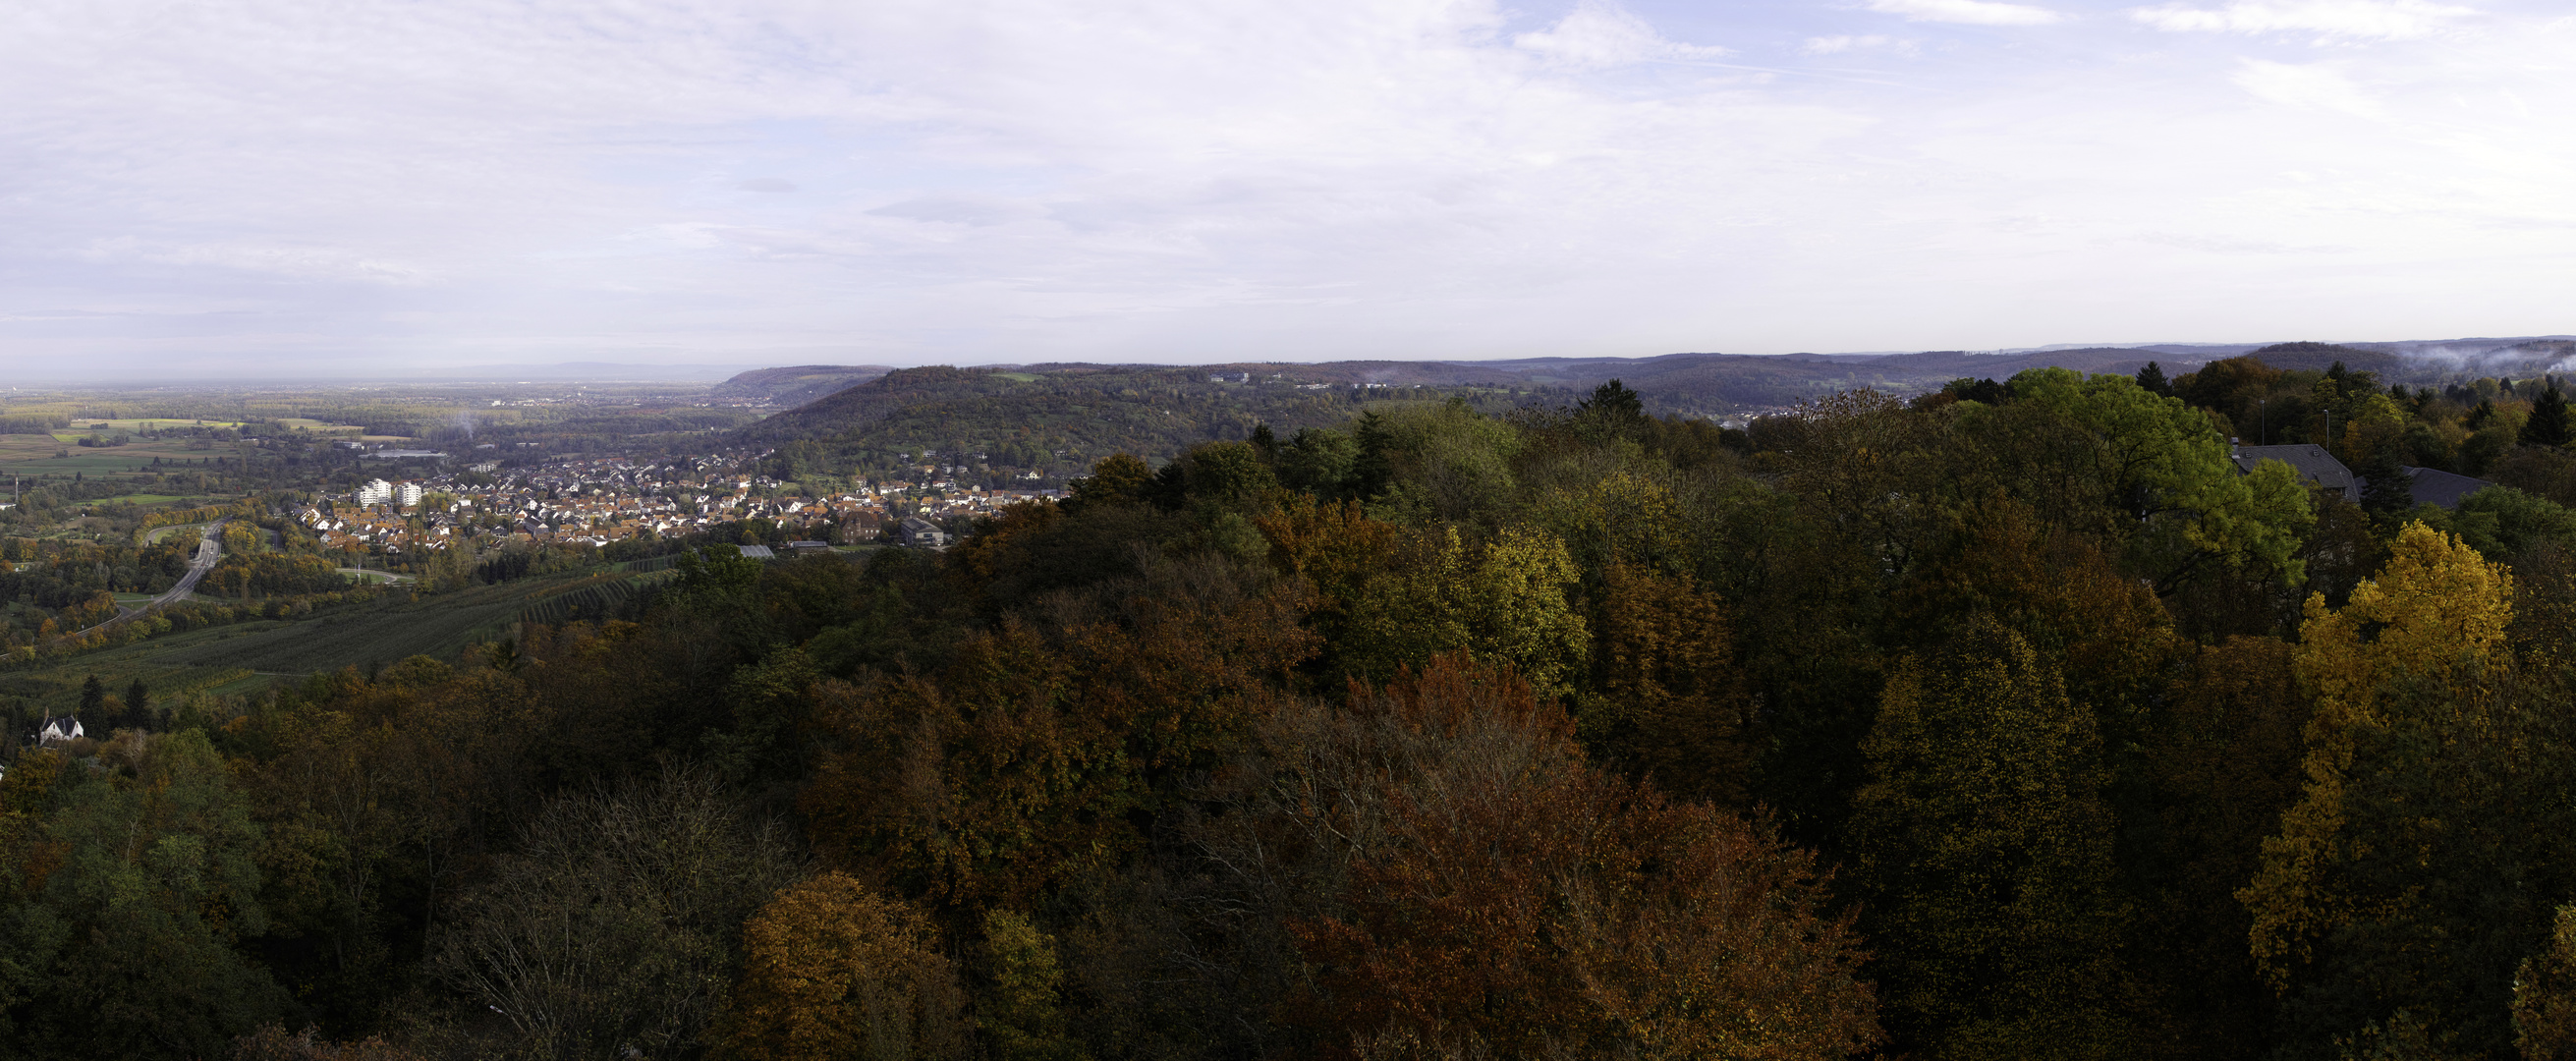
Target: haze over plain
(278,188)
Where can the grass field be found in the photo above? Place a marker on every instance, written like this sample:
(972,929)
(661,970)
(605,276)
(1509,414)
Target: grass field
(158,533)
(246,656)
(34,455)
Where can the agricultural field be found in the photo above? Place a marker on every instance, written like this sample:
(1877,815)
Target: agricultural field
(244,656)
(138,425)
(37,455)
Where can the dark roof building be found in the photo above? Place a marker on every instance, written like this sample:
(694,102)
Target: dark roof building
(2315,466)
(2432,487)
(921,533)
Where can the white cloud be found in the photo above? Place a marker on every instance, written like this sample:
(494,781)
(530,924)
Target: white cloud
(1196,179)
(1972,12)
(1600,33)
(1836,45)
(2329,19)
(2313,86)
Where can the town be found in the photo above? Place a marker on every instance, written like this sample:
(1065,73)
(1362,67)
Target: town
(603,500)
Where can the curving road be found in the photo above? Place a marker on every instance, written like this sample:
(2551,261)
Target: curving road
(210,548)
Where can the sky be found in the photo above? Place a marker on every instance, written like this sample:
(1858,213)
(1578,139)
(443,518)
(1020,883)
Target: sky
(340,188)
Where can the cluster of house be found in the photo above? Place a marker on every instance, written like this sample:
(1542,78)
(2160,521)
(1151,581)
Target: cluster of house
(606,500)
(2320,469)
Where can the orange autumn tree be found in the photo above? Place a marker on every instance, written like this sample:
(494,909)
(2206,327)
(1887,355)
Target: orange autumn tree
(833,969)
(1505,896)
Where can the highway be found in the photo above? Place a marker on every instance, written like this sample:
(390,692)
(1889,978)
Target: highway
(210,548)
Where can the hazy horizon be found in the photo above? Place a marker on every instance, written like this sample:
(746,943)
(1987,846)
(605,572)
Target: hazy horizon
(262,190)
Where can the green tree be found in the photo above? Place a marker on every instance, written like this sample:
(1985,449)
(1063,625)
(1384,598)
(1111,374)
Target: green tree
(133,947)
(2548,425)
(2437,610)
(1505,602)
(2151,379)
(2168,469)
(2428,846)
(1985,849)
(613,928)
(1118,479)
(1021,1011)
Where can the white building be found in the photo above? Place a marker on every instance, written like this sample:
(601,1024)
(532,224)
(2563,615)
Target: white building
(408,494)
(376,492)
(62,730)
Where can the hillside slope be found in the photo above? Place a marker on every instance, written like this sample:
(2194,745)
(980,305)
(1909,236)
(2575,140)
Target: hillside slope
(795,385)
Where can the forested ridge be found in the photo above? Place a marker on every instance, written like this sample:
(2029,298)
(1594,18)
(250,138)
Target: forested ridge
(2012,721)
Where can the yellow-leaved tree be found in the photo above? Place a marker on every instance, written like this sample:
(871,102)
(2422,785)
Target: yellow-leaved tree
(1506,602)
(2436,613)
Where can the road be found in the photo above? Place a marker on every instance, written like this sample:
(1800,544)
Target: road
(210,548)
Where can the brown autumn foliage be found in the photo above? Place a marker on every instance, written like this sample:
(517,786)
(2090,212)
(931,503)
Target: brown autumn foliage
(1668,701)
(2056,588)
(1338,550)
(1521,902)
(2544,995)
(272,1043)
(835,969)
(1031,757)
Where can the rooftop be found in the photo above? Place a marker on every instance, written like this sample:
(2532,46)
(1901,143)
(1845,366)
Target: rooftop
(2314,465)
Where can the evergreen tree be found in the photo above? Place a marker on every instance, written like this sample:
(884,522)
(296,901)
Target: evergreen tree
(2387,491)
(2152,380)
(2548,424)
(93,700)
(138,704)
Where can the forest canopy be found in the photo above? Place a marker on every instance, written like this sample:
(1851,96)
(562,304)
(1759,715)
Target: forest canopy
(2017,720)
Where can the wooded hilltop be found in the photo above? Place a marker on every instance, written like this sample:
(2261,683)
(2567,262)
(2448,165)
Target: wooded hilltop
(2015,720)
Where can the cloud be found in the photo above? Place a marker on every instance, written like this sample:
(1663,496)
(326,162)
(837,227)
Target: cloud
(1599,33)
(1836,45)
(958,210)
(2313,86)
(305,262)
(1163,179)
(2329,19)
(771,185)
(1972,12)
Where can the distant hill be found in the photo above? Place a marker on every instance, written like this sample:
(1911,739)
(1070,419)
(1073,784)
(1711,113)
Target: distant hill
(1057,418)
(794,386)
(2318,357)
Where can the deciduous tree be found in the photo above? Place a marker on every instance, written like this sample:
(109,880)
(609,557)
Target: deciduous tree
(834,969)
